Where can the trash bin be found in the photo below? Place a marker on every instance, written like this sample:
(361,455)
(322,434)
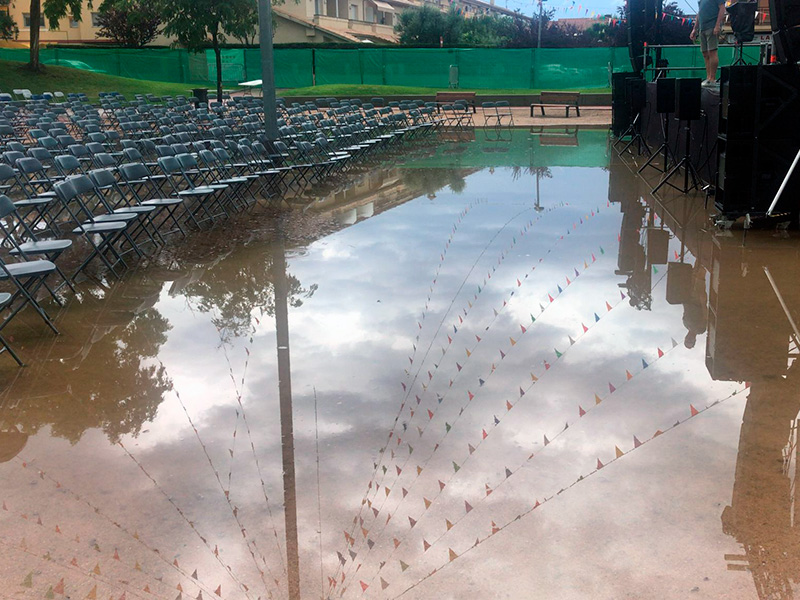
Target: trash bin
(202,96)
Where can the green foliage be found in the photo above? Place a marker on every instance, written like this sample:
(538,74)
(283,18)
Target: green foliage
(428,25)
(193,22)
(130,23)
(8,28)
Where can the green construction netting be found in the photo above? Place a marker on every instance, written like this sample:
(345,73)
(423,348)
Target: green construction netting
(478,68)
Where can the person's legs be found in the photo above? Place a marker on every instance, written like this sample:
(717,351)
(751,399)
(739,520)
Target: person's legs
(706,60)
(712,62)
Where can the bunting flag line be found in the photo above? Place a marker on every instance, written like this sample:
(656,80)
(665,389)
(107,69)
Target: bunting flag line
(496,529)
(133,537)
(481,380)
(408,387)
(484,433)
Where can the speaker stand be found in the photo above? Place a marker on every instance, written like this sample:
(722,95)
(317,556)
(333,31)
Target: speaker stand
(739,53)
(663,150)
(685,163)
(636,137)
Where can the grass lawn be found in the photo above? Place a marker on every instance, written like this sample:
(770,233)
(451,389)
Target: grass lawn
(13,75)
(335,90)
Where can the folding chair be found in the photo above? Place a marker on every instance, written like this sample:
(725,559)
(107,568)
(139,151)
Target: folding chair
(5,300)
(21,240)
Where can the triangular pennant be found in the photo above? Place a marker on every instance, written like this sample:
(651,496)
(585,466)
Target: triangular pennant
(628,375)
(412,522)
(694,410)
(581,412)
(384,583)
(448,524)
(546,441)
(558,354)
(453,555)
(92,595)
(618,452)
(644,364)
(636,442)
(455,467)
(611,388)
(467,506)
(364,586)
(471,448)
(596,318)
(441,485)
(425,545)
(585,328)
(403,566)
(508,473)
(599,464)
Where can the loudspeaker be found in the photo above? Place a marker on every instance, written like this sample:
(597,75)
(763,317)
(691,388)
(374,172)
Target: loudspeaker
(786,43)
(687,98)
(620,109)
(636,33)
(785,19)
(636,95)
(743,20)
(784,14)
(657,246)
(665,95)
(760,101)
(679,282)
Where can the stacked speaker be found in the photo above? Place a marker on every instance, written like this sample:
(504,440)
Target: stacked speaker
(785,18)
(759,135)
(620,107)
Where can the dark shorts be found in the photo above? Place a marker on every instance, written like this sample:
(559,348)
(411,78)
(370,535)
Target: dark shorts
(708,41)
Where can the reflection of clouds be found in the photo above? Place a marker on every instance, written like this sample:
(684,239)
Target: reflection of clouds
(618,534)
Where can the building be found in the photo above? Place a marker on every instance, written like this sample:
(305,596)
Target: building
(370,21)
(582,23)
(310,21)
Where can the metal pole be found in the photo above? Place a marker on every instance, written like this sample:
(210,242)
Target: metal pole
(783,184)
(267,69)
(541,9)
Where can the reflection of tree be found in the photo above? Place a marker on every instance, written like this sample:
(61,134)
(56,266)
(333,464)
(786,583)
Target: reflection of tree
(542,172)
(237,285)
(113,387)
(430,181)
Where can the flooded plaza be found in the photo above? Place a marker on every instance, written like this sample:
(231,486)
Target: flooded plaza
(493,366)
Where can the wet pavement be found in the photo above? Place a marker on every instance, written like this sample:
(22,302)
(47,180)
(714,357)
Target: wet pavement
(491,368)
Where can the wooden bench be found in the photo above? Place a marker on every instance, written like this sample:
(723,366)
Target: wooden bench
(450,97)
(566,100)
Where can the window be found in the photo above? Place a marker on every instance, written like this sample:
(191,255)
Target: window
(26,21)
(73,24)
(95,18)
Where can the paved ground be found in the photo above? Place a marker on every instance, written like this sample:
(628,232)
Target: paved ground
(590,116)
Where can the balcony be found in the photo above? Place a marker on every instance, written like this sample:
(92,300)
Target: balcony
(353,26)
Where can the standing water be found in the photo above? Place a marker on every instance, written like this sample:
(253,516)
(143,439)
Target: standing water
(498,369)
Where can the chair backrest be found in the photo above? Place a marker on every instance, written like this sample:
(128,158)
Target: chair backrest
(7,172)
(102,177)
(169,164)
(187,161)
(29,165)
(131,171)
(67,164)
(105,160)
(6,208)
(12,156)
(40,154)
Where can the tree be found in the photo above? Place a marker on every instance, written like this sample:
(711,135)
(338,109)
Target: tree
(429,25)
(54,11)
(132,23)
(8,28)
(193,22)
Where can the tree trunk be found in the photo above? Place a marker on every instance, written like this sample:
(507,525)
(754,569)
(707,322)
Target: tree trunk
(218,55)
(36,19)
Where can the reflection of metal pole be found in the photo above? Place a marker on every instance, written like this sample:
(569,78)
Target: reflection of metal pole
(267,69)
(783,304)
(287,427)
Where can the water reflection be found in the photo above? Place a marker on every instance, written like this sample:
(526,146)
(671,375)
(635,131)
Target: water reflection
(554,352)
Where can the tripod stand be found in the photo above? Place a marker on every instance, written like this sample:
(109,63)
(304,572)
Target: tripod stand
(664,149)
(685,163)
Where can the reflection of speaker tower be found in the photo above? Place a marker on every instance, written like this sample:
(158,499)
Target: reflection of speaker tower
(754,309)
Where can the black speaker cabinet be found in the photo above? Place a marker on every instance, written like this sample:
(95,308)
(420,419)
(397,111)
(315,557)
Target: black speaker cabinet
(743,20)
(784,14)
(786,43)
(636,91)
(687,98)
(665,95)
(657,246)
(620,109)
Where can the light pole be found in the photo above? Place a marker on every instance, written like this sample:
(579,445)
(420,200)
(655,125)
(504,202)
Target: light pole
(541,17)
(267,69)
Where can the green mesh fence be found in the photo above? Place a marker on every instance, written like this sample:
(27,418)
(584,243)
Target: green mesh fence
(478,68)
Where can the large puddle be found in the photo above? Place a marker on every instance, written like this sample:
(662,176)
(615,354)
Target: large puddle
(492,368)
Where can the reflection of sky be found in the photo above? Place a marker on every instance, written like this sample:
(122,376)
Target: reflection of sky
(645,526)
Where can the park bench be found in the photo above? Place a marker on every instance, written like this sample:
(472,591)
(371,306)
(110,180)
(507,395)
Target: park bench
(450,97)
(565,100)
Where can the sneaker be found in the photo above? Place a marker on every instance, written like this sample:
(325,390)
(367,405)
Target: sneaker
(706,83)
